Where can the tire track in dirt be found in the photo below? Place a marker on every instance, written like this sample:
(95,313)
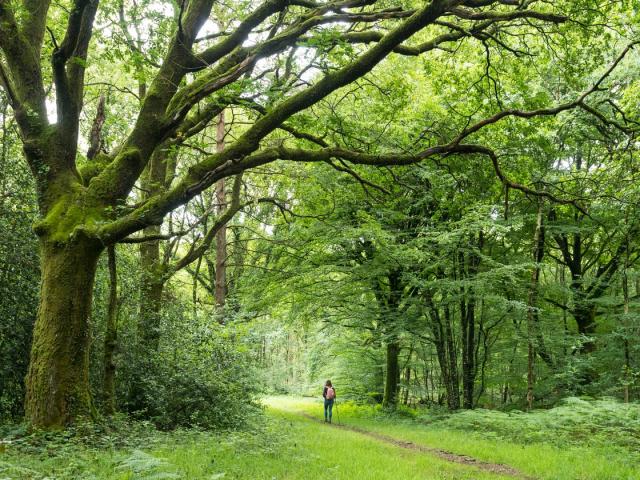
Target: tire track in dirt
(497,468)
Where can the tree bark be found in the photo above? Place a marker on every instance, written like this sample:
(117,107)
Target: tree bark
(585,316)
(58,380)
(453,382)
(390,398)
(407,380)
(469,265)
(221,235)
(111,336)
(155,180)
(627,354)
(151,289)
(538,252)
(468,355)
(447,360)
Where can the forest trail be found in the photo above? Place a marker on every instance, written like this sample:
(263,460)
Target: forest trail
(443,454)
(501,470)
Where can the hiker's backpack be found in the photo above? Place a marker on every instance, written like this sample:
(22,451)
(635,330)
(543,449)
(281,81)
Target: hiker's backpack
(331,393)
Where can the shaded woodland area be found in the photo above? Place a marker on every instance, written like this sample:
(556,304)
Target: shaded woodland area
(433,203)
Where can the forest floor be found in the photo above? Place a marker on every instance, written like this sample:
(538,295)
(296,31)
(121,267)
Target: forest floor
(293,443)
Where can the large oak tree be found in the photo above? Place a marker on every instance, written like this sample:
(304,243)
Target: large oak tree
(87,206)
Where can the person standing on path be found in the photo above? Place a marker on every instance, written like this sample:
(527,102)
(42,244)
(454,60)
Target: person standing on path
(329,395)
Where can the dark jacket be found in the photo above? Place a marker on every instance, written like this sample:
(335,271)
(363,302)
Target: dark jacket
(324,392)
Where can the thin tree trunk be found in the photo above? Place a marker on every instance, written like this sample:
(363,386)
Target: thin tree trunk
(150,317)
(484,336)
(221,235)
(425,368)
(156,179)
(392,373)
(565,324)
(4,148)
(453,388)
(151,290)
(627,354)
(194,288)
(111,336)
(538,249)
(407,376)
(379,381)
(407,379)
(466,331)
(468,356)
(468,322)
(445,352)
(58,380)
(505,393)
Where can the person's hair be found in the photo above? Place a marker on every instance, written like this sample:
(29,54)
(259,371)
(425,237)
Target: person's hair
(328,383)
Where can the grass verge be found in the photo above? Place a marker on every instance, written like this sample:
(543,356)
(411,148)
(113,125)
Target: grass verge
(551,452)
(287,446)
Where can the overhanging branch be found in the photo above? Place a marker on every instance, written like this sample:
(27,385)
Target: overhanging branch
(196,252)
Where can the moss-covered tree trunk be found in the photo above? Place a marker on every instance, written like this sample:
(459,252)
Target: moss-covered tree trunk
(58,380)
(151,289)
(155,180)
(221,236)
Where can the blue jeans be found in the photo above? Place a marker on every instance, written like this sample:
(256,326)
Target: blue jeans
(328,407)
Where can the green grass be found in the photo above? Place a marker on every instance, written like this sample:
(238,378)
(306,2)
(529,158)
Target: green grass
(528,442)
(304,449)
(288,445)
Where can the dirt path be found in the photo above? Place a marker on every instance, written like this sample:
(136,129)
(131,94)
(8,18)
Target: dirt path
(443,454)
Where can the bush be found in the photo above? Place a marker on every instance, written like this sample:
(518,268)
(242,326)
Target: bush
(575,421)
(208,389)
(201,377)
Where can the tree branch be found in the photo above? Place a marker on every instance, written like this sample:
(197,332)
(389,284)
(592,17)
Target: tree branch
(227,163)
(240,156)
(23,76)
(220,222)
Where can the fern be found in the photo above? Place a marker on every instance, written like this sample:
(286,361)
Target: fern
(7,468)
(575,421)
(146,466)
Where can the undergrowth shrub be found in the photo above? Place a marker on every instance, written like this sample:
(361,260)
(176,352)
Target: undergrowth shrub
(121,448)
(216,390)
(574,421)
(202,376)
